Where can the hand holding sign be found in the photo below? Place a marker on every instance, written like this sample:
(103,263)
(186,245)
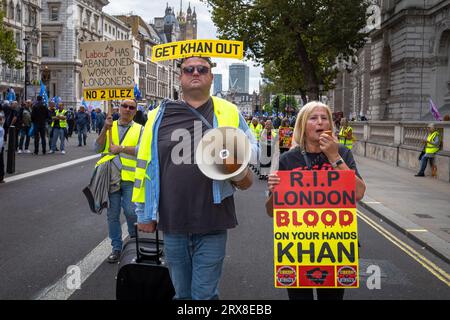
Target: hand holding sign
(108,122)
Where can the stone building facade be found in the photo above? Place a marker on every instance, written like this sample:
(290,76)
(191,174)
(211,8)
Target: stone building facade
(404,64)
(23,17)
(66,24)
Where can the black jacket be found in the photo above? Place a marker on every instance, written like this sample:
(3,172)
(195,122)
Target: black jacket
(39,115)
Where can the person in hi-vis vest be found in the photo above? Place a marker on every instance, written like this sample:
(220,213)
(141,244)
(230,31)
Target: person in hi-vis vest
(59,127)
(432,146)
(346,134)
(122,152)
(171,192)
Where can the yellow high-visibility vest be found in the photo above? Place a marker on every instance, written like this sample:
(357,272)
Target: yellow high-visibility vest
(62,123)
(343,137)
(227,115)
(431,148)
(256,130)
(131,140)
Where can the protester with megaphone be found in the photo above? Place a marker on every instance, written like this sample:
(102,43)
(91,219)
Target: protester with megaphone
(171,192)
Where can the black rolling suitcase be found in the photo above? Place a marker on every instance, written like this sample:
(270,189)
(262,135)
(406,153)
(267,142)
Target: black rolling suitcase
(142,274)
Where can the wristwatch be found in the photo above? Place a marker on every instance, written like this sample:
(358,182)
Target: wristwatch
(337,163)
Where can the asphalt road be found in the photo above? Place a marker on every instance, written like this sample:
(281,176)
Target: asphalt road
(46,226)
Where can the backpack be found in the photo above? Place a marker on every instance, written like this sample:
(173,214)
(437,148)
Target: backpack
(70,115)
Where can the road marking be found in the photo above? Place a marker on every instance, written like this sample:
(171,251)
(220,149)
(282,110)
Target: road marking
(60,291)
(416,230)
(427,264)
(48,169)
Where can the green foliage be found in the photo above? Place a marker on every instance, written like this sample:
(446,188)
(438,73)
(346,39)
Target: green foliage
(8,50)
(297,41)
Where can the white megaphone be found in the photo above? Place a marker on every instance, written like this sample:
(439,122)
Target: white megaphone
(224,153)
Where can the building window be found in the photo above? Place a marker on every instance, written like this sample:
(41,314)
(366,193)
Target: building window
(49,48)
(32,17)
(18,41)
(54,12)
(11,10)
(18,13)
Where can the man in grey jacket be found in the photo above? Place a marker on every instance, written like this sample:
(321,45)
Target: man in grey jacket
(82,121)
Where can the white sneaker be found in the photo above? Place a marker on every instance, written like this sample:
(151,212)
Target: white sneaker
(63,152)
(51,151)
(20,151)
(27,151)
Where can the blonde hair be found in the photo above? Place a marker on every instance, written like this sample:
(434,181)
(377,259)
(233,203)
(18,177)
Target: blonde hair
(302,119)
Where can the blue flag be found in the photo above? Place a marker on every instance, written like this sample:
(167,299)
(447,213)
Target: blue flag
(43,93)
(84,104)
(57,100)
(11,95)
(137,93)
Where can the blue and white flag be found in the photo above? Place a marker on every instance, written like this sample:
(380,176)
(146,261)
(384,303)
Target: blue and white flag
(43,93)
(84,104)
(11,95)
(137,93)
(57,100)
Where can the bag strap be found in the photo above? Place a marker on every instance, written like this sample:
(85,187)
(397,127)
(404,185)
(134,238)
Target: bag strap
(200,116)
(306,158)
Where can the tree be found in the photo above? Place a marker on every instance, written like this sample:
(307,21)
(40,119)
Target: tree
(8,50)
(300,38)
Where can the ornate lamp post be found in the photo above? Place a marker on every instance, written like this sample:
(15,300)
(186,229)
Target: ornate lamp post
(29,39)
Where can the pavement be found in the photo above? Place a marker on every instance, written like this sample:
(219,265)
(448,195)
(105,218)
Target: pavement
(26,162)
(416,206)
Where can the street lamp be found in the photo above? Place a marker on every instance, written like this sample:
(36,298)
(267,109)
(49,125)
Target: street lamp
(29,38)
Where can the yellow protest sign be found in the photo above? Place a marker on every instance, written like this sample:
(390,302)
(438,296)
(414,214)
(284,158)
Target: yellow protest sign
(108,94)
(203,48)
(315,230)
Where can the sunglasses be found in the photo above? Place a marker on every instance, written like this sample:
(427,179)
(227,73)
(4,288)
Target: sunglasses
(125,106)
(200,69)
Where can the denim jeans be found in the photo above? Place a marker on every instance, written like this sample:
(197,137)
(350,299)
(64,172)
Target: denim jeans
(424,161)
(23,133)
(118,200)
(58,133)
(195,263)
(82,134)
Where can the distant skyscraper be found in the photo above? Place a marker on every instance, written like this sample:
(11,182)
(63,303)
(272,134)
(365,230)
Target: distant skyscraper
(239,78)
(217,83)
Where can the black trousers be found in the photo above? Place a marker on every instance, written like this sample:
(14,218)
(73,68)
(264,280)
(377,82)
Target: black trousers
(2,165)
(39,132)
(322,294)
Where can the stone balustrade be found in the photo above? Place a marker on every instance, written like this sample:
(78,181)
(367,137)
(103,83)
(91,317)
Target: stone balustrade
(400,143)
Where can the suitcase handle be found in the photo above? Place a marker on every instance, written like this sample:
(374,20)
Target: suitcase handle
(142,252)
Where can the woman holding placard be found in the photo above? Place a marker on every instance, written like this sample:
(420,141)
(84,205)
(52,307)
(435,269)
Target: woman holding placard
(316,149)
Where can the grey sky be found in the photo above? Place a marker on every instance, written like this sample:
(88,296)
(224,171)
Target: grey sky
(206,29)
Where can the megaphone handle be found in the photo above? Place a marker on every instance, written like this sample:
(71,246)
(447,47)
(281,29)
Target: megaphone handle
(244,180)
